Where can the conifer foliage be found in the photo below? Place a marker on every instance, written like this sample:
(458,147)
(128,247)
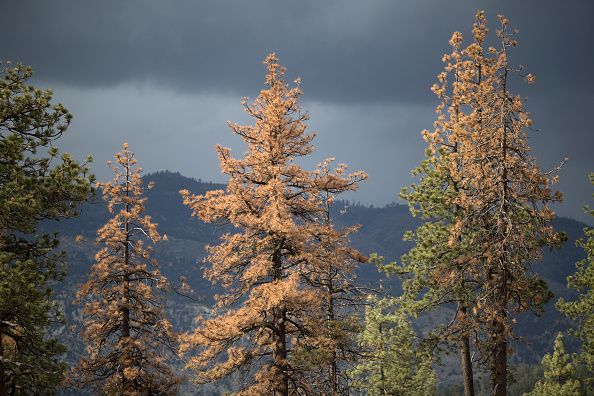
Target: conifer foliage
(582,309)
(560,373)
(330,356)
(503,194)
(272,267)
(36,183)
(128,339)
(487,201)
(394,360)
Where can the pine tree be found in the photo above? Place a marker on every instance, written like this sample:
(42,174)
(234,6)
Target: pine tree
(36,183)
(582,309)
(504,196)
(487,204)
(559,375)
(435,271)
(270,267)
(330,356)
(395,362)
(127,336)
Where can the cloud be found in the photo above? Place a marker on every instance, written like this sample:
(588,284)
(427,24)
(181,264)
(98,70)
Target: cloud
(346,51)
(166,130)
(166,76)
(179,132)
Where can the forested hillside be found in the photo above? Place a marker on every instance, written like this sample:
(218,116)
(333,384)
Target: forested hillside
(381,231)
(476,279)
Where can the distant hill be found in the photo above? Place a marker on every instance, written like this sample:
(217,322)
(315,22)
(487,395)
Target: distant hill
(381,231)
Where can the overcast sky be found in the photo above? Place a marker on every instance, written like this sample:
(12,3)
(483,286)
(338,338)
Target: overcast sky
(165,76)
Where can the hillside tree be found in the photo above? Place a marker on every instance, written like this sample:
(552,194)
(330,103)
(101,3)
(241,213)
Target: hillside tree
(437,270)
(560,374)
(129,342)
(582,309)
(271,266)
(504,196)
(395,361)
(37,183)
(487,202)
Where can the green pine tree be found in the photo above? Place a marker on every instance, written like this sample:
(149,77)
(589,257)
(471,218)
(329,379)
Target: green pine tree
(36,183)
(560,374)
(395,362)
(437,270)
(582,309)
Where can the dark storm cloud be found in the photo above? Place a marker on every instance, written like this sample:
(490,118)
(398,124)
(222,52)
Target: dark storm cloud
(166,75)
(346,51)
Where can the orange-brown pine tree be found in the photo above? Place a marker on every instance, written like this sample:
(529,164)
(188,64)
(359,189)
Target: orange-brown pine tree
(272,266)
(127,336)
(502,195)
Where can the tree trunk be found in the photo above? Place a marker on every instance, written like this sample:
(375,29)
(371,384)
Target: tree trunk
(333,374)
(499,380)
(333,364)
(2,379)
(500,364)
(127,385)
(465,361)
(499,373)
(279,353)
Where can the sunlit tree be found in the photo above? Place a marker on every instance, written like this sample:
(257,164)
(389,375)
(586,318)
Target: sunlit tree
(503,194)
(272,309)
(128,339)
(487,204)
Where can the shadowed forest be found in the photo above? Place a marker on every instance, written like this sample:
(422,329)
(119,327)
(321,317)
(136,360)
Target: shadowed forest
(274,283)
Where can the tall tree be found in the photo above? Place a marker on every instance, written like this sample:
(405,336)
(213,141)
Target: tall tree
(437,270)
(560,374)
(395,361)
(504,196)
(582,309)
(270,267)
(487,201)
(36,183)
(127,336)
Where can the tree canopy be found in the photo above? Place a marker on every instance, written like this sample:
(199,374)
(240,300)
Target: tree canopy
(36,183)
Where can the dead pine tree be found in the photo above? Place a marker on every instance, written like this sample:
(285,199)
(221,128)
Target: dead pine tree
(269,311)
(128,339)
